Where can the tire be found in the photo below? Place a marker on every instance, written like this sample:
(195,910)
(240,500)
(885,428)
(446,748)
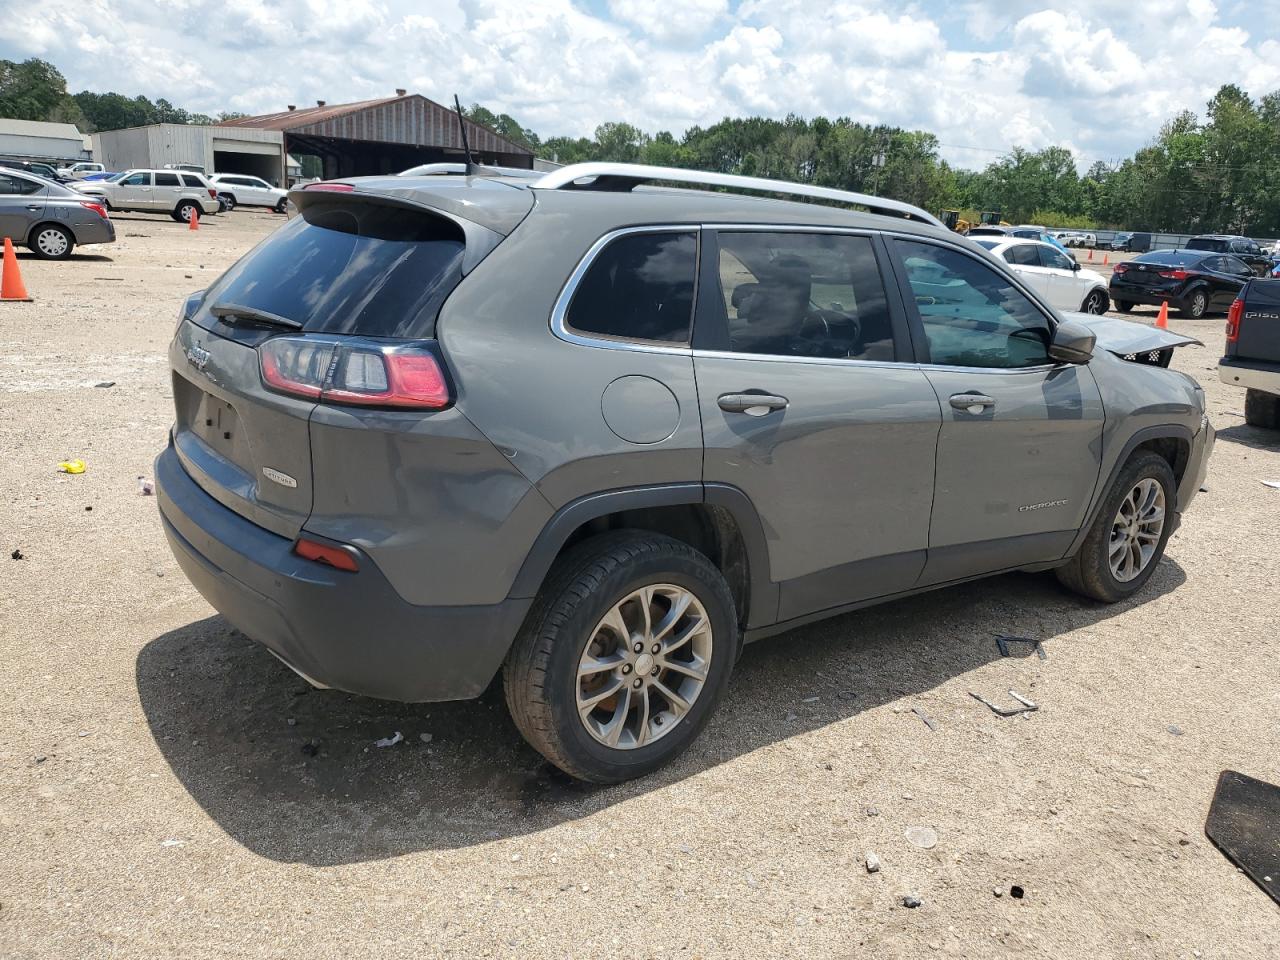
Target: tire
(280,205)
(1262,409)
(48,241)
(182,212)
(1196,306)
(1096,303)
(231,201)
(1090,573)
(567,624)
(1124,306)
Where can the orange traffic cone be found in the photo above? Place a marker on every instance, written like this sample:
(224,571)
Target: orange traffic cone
(11,287)
(1162,318)
(1106,258)
(194,222)
(1091,254)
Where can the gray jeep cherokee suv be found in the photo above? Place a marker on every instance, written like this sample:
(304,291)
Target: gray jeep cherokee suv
(595,435)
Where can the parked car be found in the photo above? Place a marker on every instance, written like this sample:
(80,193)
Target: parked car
(155,191)
(1129,242)
(49,218)
(105,175)
(240,189)
(436,428)
(189,167)
(1031,232)
(81,170)
(45,170)
(1242,248)
(1051,273)
(1252,355)
(1191,282)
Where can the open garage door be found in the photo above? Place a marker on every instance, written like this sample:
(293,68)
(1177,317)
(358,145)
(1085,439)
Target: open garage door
(263,160)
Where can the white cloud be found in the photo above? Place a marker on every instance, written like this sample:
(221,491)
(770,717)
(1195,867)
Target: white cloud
(981,77)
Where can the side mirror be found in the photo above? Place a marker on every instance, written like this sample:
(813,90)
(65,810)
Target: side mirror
(1075,265)
(1072,342)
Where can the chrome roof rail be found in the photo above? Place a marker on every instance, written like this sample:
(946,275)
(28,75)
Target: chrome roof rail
(446,169)
(623,176)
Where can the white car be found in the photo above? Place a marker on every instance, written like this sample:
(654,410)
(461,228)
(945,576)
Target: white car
(78,171)
(242,190)
(1052,274)
(175,192)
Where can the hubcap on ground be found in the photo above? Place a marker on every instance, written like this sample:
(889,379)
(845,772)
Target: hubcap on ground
(644,666)
(1136,530)
(51,243)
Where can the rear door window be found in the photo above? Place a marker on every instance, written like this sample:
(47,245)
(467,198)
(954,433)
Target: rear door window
(17,186)
(350,268)
(639,287)
(166,180)
(1022,255)
(804,295)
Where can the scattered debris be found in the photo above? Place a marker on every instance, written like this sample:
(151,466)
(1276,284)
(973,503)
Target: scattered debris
(911,901)
(1174,729)
(1273,484)
(1241,824)
(105,384)
(310,749)
(172,843)
(998,892)
(425,737)
(1016,892)
(810,700)
(1003,643)
(873,863)
(17,555)
(291,721)
(873,811)
(925,717)
(71,466)
(41,758)
(791,717)
(1027,705)
(926,838)
(389,741)
(83,733)
(145,487)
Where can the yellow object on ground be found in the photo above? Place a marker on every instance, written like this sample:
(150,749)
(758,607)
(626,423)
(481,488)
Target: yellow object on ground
(71,466)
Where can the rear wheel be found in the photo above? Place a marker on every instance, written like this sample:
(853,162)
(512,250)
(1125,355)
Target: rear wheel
(623,657)
(1096,303)
(1196,305)
(51,242)
(1124,306)
(1128,537)
(1261,409)
(184,211)
(280,204)
(230,200)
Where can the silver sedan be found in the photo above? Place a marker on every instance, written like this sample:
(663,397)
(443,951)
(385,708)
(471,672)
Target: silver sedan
(48,217)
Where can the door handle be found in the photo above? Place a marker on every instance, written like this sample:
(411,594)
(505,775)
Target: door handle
(752,404)
(974,403)
(33,206)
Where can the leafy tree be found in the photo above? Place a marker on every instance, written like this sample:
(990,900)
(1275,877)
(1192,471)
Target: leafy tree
(30,90)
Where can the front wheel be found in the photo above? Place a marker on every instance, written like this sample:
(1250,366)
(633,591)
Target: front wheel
(1196,306)
(1128,536)
(281,204)
(623,657)
(51,242)
(1096,303)
(1261,409)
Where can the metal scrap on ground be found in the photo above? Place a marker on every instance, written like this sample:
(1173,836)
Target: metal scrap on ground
(1003,643)
(1027,705)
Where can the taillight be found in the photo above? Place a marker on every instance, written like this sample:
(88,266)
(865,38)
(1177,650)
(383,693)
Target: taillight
(97,208)
(331,187)
(213,194)
(1120,268)
(1234,316)
(1174,274)
(337,557)
(362,373)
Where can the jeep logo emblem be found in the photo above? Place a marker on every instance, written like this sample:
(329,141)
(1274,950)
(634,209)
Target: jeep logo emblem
(198,356)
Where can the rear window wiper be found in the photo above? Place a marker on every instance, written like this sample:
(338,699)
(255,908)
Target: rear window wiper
(230,312)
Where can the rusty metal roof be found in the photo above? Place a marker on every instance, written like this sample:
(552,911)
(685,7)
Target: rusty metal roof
(411,119)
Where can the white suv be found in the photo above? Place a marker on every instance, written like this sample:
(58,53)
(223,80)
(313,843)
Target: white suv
(1051,273)
(240,189)
(175,192)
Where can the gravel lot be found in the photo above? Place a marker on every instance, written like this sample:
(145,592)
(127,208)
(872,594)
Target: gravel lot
(168,788)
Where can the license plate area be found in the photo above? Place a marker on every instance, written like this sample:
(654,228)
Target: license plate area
(217,423)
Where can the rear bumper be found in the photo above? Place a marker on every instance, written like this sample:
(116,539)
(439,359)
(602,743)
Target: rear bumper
(350,631)
(98,230)
(1250,374)
(1143,295)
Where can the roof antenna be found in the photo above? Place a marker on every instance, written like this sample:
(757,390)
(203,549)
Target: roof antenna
(472,167)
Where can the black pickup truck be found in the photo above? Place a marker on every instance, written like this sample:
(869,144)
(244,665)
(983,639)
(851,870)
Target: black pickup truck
(1252,357)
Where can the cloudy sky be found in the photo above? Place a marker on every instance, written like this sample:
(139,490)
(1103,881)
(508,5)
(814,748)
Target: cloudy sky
(1097,76)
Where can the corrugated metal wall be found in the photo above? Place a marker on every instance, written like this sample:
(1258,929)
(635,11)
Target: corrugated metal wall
(121,149)
(162,143)
(411,120)
(21,145)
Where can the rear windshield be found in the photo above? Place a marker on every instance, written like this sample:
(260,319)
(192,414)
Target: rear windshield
(1204,243)
(351,268)
(1178,258)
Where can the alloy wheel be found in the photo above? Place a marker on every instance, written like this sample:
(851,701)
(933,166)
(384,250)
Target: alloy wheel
(1095,303)
(644,666)
(52,242)
(1136,530)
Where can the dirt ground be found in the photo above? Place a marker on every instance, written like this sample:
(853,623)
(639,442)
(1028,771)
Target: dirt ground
(167,788)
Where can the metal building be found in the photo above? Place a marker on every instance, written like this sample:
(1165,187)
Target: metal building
(382,136)
(37,140)
(214,148)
